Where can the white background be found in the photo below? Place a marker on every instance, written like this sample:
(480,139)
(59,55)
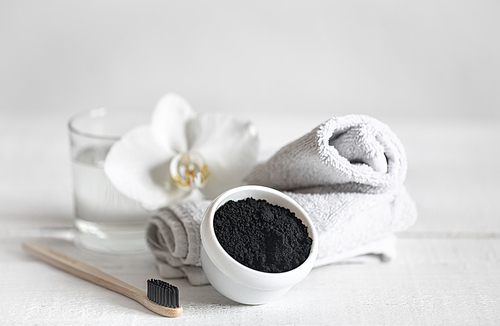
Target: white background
(418,59)
(430,69)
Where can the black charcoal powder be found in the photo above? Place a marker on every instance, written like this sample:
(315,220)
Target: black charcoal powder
(265,237)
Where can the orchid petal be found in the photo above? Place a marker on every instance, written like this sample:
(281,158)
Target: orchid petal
(169,122)
(229,147)
(139,168)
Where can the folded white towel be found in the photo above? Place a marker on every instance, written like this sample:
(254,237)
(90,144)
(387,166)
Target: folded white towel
(353,153)
(347,173)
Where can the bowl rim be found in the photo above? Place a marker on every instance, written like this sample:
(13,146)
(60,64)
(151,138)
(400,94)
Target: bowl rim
(241,273)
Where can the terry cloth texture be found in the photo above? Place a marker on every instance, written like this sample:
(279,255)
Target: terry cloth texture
(347,173)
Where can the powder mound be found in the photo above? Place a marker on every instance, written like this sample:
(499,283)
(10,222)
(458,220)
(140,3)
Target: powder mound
(265,237)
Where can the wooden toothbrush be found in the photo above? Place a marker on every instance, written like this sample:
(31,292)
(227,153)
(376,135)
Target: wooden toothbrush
(161,297)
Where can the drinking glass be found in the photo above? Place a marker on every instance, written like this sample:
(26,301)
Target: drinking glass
(106,221)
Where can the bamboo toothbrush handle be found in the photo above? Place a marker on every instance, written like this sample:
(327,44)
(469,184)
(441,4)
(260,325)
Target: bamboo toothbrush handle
(83,270)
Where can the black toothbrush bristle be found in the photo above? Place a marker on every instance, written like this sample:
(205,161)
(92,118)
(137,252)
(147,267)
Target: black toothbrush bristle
(163,293)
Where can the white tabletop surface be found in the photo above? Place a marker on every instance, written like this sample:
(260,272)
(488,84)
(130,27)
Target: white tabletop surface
(447,271)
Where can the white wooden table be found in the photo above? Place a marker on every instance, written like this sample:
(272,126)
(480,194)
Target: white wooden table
(447,272)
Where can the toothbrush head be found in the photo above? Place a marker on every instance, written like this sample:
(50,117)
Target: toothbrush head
(163,293)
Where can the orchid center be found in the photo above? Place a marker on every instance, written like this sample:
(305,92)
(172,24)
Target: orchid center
(189,171)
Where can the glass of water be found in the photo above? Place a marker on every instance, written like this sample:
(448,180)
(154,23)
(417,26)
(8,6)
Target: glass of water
(106,221)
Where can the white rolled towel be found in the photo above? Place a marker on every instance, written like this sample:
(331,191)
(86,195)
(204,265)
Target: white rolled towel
(353,153)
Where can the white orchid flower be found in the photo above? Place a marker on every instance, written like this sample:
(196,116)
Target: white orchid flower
(179,151)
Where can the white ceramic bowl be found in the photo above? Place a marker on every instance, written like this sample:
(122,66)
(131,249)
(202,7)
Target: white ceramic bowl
(236,281)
